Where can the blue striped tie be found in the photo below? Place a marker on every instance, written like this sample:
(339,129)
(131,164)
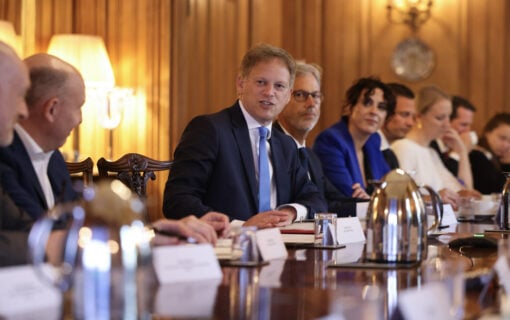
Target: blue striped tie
(264,177)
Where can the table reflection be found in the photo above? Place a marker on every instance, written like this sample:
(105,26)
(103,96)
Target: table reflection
(304,287)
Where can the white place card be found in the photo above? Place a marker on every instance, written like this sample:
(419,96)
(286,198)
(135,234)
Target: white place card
(349,230)
(186,263)
(449,218)
(361,210)
(23,295)
(270,243)
(430,301)
(448,222)
(187,300)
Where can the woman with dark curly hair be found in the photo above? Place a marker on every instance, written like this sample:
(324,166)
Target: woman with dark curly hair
(350,149)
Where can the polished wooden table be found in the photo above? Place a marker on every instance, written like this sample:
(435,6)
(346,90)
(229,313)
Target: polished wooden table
(304,287)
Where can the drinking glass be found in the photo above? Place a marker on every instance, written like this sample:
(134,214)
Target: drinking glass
(325,229)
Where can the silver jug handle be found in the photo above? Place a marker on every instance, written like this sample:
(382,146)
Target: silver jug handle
(437,207)
(38,239)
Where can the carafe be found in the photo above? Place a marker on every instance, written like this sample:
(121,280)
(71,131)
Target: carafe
(397,220)
(504,207)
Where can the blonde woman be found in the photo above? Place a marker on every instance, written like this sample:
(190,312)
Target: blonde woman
(417,157)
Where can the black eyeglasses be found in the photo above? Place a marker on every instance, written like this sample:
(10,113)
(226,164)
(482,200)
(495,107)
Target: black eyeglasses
(302,95)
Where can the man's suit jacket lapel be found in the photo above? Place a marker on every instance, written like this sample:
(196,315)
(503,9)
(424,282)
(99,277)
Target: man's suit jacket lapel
(24,162)
(242,137)
(315,170)
(59,177)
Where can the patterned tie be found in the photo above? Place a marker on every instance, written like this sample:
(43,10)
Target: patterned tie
(264,177)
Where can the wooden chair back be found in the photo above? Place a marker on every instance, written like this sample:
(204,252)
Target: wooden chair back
(134,170)
(82,169)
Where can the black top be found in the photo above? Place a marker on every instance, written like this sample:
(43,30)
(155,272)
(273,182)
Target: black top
(451,164)
(487,178)
(391,158)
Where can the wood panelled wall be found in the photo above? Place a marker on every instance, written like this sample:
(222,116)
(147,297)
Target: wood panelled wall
(182,56)
(349,38)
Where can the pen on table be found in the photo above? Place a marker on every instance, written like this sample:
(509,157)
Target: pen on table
(443,227)
(173,235)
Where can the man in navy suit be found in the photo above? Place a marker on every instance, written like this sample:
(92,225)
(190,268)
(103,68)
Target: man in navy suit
(215,164)
(32,170)
(14,222)
(297,119)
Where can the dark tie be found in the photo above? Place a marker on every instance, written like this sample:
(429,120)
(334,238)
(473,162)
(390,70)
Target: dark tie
(264,177)
(303,158)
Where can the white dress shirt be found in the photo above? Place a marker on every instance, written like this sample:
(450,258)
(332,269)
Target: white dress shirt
(40,161)
(253,126)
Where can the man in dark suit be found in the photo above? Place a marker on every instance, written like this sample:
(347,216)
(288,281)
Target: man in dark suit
(297,119)
(399,123)
(14,222)
(34,172)
(215,164)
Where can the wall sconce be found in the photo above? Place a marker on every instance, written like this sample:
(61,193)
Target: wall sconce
(9,36)
(414,13)
(88,54)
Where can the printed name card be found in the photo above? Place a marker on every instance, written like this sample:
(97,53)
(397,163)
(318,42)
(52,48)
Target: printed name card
(349,230)
(23,295)
(186,263)
(270,243)
(430,301)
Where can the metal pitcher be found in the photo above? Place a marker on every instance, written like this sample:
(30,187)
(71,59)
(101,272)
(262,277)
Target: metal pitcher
(397,220)
(504,207)
(106,256)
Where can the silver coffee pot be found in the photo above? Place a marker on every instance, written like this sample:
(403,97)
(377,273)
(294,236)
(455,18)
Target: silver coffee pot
(397,220)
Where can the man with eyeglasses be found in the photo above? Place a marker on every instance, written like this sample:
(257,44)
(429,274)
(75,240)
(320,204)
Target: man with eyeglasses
(398,124)
(297,119)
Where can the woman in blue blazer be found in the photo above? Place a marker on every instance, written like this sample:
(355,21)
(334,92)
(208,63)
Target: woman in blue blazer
(350,149)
